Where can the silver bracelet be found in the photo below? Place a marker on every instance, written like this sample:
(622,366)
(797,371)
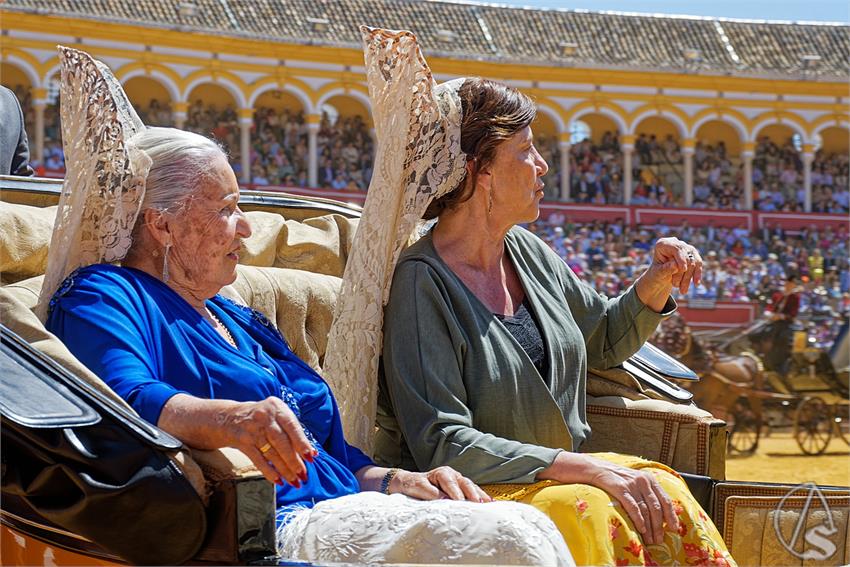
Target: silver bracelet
(385,482)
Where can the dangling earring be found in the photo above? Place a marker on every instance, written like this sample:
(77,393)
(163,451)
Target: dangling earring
(165,262)
(490,203)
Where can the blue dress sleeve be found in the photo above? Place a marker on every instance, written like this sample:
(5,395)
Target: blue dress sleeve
(103,323)
(350,456)
(356,459)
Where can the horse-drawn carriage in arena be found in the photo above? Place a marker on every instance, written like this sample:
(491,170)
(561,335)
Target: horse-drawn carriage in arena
(86,481)
(810,396)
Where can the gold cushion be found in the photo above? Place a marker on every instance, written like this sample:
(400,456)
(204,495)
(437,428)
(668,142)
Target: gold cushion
(300,303)
(24,237)
(318,244)
(751,522)
(683,437)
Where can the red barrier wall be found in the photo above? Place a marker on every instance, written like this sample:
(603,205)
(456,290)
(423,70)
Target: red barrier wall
(720,314)
(580,212)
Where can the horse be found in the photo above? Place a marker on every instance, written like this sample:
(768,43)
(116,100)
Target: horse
(731,387)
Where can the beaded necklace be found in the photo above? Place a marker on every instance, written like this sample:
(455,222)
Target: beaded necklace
(228,337)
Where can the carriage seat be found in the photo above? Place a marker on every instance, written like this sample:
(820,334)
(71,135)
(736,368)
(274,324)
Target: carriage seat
(290,271)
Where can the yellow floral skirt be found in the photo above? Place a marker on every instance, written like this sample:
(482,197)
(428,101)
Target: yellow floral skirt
(598,530)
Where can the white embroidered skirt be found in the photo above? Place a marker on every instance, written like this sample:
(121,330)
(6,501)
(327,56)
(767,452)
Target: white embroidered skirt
(370,527)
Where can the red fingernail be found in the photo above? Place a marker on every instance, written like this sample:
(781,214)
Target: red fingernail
(279,482)
(296,483)
(309,457)
(303,476)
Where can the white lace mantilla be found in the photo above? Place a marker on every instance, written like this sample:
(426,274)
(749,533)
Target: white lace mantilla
(104,178)
(418,159)
(370,527)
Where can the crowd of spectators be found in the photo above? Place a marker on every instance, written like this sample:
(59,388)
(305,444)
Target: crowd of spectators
(221,124)
(279,146)
(718,182)
(658,174)
(156,113)
(778,179)
(54,157)
(279,150)
(740,265)
(596,169)
(830,182)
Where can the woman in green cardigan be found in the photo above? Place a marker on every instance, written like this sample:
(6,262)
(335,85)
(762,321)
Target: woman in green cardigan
(487,339)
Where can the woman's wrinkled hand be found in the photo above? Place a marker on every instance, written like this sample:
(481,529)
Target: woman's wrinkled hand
(642,497)
(675,263)
(272,437)
(442,482)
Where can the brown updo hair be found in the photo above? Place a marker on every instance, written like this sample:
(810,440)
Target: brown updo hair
(492,113)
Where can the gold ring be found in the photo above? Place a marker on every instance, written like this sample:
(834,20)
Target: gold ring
(266,448)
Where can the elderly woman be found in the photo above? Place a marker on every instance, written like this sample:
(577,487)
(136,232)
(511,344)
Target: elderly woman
(488,336)
(217,374)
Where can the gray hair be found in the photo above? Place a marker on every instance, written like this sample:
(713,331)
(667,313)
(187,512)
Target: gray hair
(181,163)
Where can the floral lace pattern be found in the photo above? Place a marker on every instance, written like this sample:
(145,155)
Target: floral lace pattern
(64,288)
(292,402)
(105,176)
(418,159)
(370,527)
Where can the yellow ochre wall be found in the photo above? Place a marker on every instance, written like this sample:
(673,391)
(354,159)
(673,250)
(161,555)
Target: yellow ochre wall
(334,75)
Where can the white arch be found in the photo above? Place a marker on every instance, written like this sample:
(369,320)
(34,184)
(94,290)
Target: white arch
(353,93)
(726,119)
(618,120)
(163,79)
(831,124)
(302,97)
(758,126)
(50,72)
(553,114)
(683,128)
(24,66)
(228,85)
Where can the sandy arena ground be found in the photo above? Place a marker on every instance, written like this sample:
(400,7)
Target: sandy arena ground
(779,459)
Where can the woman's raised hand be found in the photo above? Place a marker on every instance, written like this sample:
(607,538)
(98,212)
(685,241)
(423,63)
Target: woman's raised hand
(442,482)
(677,262)
(272,437)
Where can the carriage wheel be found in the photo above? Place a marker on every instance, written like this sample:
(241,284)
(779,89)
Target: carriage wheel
(842,423)
(813,426)
(744,435)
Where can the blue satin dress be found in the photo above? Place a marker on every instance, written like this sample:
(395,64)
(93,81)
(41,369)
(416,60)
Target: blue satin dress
(148,344)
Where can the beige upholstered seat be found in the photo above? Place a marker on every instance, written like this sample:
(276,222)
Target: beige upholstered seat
(292,275)
(299,298)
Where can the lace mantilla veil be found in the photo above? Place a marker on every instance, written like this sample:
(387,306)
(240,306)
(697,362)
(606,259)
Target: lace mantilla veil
(418,159)
(105,175)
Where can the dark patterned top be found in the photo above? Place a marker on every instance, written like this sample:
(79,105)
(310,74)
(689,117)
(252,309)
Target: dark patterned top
(523,326)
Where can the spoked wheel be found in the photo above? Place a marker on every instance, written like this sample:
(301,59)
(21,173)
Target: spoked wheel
(842,422)
(813,425)
(745,431)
